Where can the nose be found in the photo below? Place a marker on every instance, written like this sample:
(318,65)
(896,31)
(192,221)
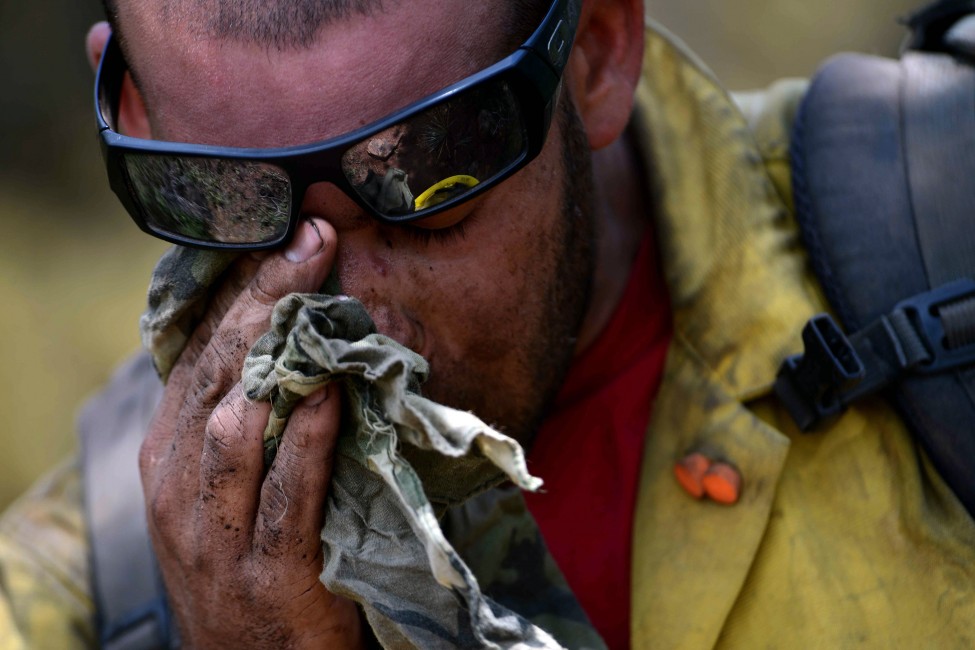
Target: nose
(363,259)
(366,265)
(326,200)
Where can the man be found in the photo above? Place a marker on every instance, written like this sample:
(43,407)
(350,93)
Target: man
(541,306)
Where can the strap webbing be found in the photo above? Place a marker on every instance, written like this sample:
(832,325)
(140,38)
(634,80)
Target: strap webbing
(959,322)
(916,338)
(939,138)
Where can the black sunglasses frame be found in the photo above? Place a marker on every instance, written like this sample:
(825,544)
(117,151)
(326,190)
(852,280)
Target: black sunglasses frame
(533,73)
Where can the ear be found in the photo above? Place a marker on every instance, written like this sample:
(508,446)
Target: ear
(133,118)
(604,67)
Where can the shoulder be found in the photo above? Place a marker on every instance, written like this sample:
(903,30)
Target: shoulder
(771,114)
(48,598)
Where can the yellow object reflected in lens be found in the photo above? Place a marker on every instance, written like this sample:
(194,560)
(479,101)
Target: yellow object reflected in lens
(444,190)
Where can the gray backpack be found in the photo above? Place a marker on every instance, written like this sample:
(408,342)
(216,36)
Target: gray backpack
(883,163)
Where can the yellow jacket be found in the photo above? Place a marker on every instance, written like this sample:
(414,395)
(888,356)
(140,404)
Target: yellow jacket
(841,538)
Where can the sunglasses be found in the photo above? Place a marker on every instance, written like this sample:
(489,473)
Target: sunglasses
(428,157)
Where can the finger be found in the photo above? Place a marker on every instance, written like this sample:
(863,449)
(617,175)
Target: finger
(230,284)
(234,280)
(291,511)
(237,279)
(170,459)
(302,267)
(231,468)
(156,448)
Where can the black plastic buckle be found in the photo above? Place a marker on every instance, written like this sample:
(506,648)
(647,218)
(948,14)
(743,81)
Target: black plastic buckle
(923,312)
(810,384)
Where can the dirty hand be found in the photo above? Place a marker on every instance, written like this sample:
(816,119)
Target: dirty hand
(239,551)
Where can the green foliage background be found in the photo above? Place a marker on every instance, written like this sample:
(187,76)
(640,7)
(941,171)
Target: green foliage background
(73,268)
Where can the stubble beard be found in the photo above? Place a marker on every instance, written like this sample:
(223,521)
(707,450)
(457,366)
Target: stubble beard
(570,288)
(548,338)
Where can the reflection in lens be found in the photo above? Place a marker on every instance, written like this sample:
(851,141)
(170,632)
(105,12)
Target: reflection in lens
(477,135)
(390,193)
(211,199)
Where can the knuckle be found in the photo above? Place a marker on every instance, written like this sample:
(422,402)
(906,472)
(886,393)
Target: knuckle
(220,303)
(161,511)
(304,451)
(152,451)
(174,533)
(275,499)
(222,449)
(234,281)
(200,337)
(265,580)
(301,445)
(312,434)
(213,375)
(266,289)
(223,429)
(148,457)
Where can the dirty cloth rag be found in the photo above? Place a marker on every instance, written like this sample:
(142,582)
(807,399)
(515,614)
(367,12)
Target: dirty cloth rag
(401,459)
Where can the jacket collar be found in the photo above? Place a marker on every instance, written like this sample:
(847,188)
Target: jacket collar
(741,294)
(729,242)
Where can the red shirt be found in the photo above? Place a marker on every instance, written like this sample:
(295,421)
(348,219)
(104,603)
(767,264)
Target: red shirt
(589,449)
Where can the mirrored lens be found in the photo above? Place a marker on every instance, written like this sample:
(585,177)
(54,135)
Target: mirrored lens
(440,154)
(211,199)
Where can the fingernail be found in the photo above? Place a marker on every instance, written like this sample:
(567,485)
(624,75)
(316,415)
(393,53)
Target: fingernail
(306,243)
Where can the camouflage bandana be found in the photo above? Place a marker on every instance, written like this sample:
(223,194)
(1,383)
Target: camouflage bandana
(383,543)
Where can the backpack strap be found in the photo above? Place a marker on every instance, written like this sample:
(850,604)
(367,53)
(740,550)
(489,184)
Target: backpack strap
(939,142)
(132,612)
(883,154)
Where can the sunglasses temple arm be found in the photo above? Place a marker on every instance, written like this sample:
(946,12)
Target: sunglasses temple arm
(108,84)
(553,40)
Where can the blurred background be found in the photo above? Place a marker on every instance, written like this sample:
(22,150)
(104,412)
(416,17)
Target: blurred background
(73,268)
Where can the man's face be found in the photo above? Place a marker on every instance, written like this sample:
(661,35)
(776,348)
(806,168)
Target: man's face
(494,298)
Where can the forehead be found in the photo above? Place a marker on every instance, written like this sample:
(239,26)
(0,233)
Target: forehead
(214,89)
